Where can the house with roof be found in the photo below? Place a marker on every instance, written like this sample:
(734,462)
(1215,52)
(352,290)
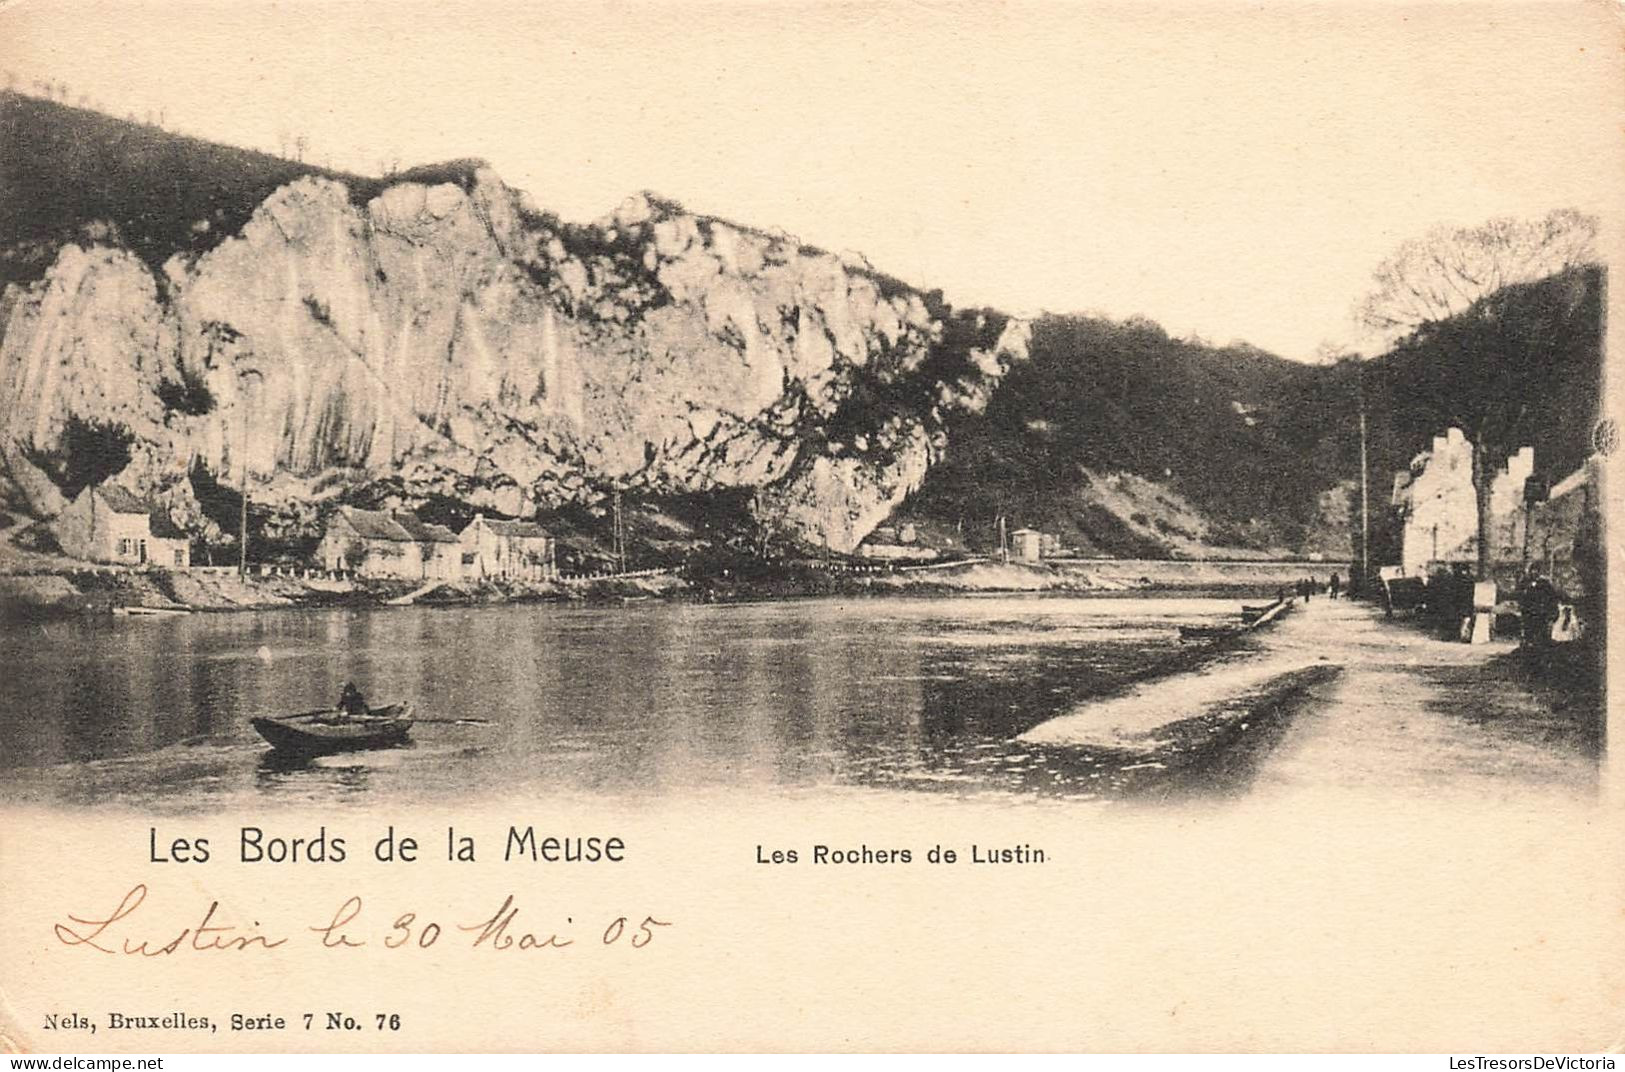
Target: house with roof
(896,543)
(514,550)
(377,543)
(438,549)
(1027,545)
(1437,505)
(108,523)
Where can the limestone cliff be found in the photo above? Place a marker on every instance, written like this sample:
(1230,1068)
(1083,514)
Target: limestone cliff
(446,338)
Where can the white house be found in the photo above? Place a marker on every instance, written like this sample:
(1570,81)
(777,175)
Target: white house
(107,523)
(1438,506)
(517,550)
(374,543)
(1028,544)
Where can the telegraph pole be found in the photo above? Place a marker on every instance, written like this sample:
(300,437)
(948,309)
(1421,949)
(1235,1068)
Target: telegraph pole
(620,536)
(242,526)
(1365,492)
(242,523)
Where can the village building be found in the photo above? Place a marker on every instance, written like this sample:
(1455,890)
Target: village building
(494,548)
(1027,545)
(109,524)
(895,543)
(1564,529)
(905,552)
(438,548)
(375,543)
(1437,505)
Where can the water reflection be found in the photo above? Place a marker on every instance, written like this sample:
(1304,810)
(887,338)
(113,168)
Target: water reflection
(649,699)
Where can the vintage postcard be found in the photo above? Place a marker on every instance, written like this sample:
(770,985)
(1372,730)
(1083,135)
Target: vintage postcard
(803,526)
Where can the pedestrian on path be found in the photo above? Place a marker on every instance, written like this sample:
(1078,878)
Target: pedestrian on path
(1337,583)
(1538,606)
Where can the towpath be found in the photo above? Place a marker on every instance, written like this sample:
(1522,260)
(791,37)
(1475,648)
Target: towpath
(1413,712)
(1336,698)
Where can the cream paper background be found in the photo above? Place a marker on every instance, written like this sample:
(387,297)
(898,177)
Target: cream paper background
(1347,924)
(1326,921)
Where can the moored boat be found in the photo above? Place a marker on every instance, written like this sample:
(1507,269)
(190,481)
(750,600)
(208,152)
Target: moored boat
(1205,632)
(316,733)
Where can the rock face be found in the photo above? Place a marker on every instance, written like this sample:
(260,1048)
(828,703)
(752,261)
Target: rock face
(447,339)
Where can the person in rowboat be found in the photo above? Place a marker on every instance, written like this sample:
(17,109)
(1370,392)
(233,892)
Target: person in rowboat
(351,703)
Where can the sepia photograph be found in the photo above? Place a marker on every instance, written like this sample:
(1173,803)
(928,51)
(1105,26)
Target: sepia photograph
(678,488)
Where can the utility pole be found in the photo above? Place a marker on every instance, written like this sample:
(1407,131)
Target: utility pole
(1365,491)
(620,535)
(242,529)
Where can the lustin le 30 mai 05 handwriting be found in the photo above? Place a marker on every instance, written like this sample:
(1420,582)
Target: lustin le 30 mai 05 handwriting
(351,926)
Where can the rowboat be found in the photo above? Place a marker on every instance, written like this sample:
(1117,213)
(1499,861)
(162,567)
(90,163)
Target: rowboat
(1252,614)
(151,612)
(318,733)
(1205,632)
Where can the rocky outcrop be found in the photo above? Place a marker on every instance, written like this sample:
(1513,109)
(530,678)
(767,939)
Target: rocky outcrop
(836,499)
(448,339)
(90,341)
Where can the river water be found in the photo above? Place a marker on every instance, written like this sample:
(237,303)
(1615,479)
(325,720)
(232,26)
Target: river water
(639,700)
(1029,697)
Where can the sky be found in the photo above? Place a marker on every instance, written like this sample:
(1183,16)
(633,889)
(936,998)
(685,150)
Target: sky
(1231,171)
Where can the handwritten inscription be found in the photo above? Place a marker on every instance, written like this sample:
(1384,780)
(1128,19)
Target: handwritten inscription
(103,934)
(129,930)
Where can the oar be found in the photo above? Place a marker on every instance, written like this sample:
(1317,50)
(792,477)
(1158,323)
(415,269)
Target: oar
(451,721)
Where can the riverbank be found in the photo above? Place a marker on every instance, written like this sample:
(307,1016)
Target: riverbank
(1105,575)
(1257,580)
(51,595)
(1338,699)
(67,590)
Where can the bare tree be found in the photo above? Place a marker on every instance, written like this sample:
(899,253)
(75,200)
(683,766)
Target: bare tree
(1445,284)
(1444,271)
